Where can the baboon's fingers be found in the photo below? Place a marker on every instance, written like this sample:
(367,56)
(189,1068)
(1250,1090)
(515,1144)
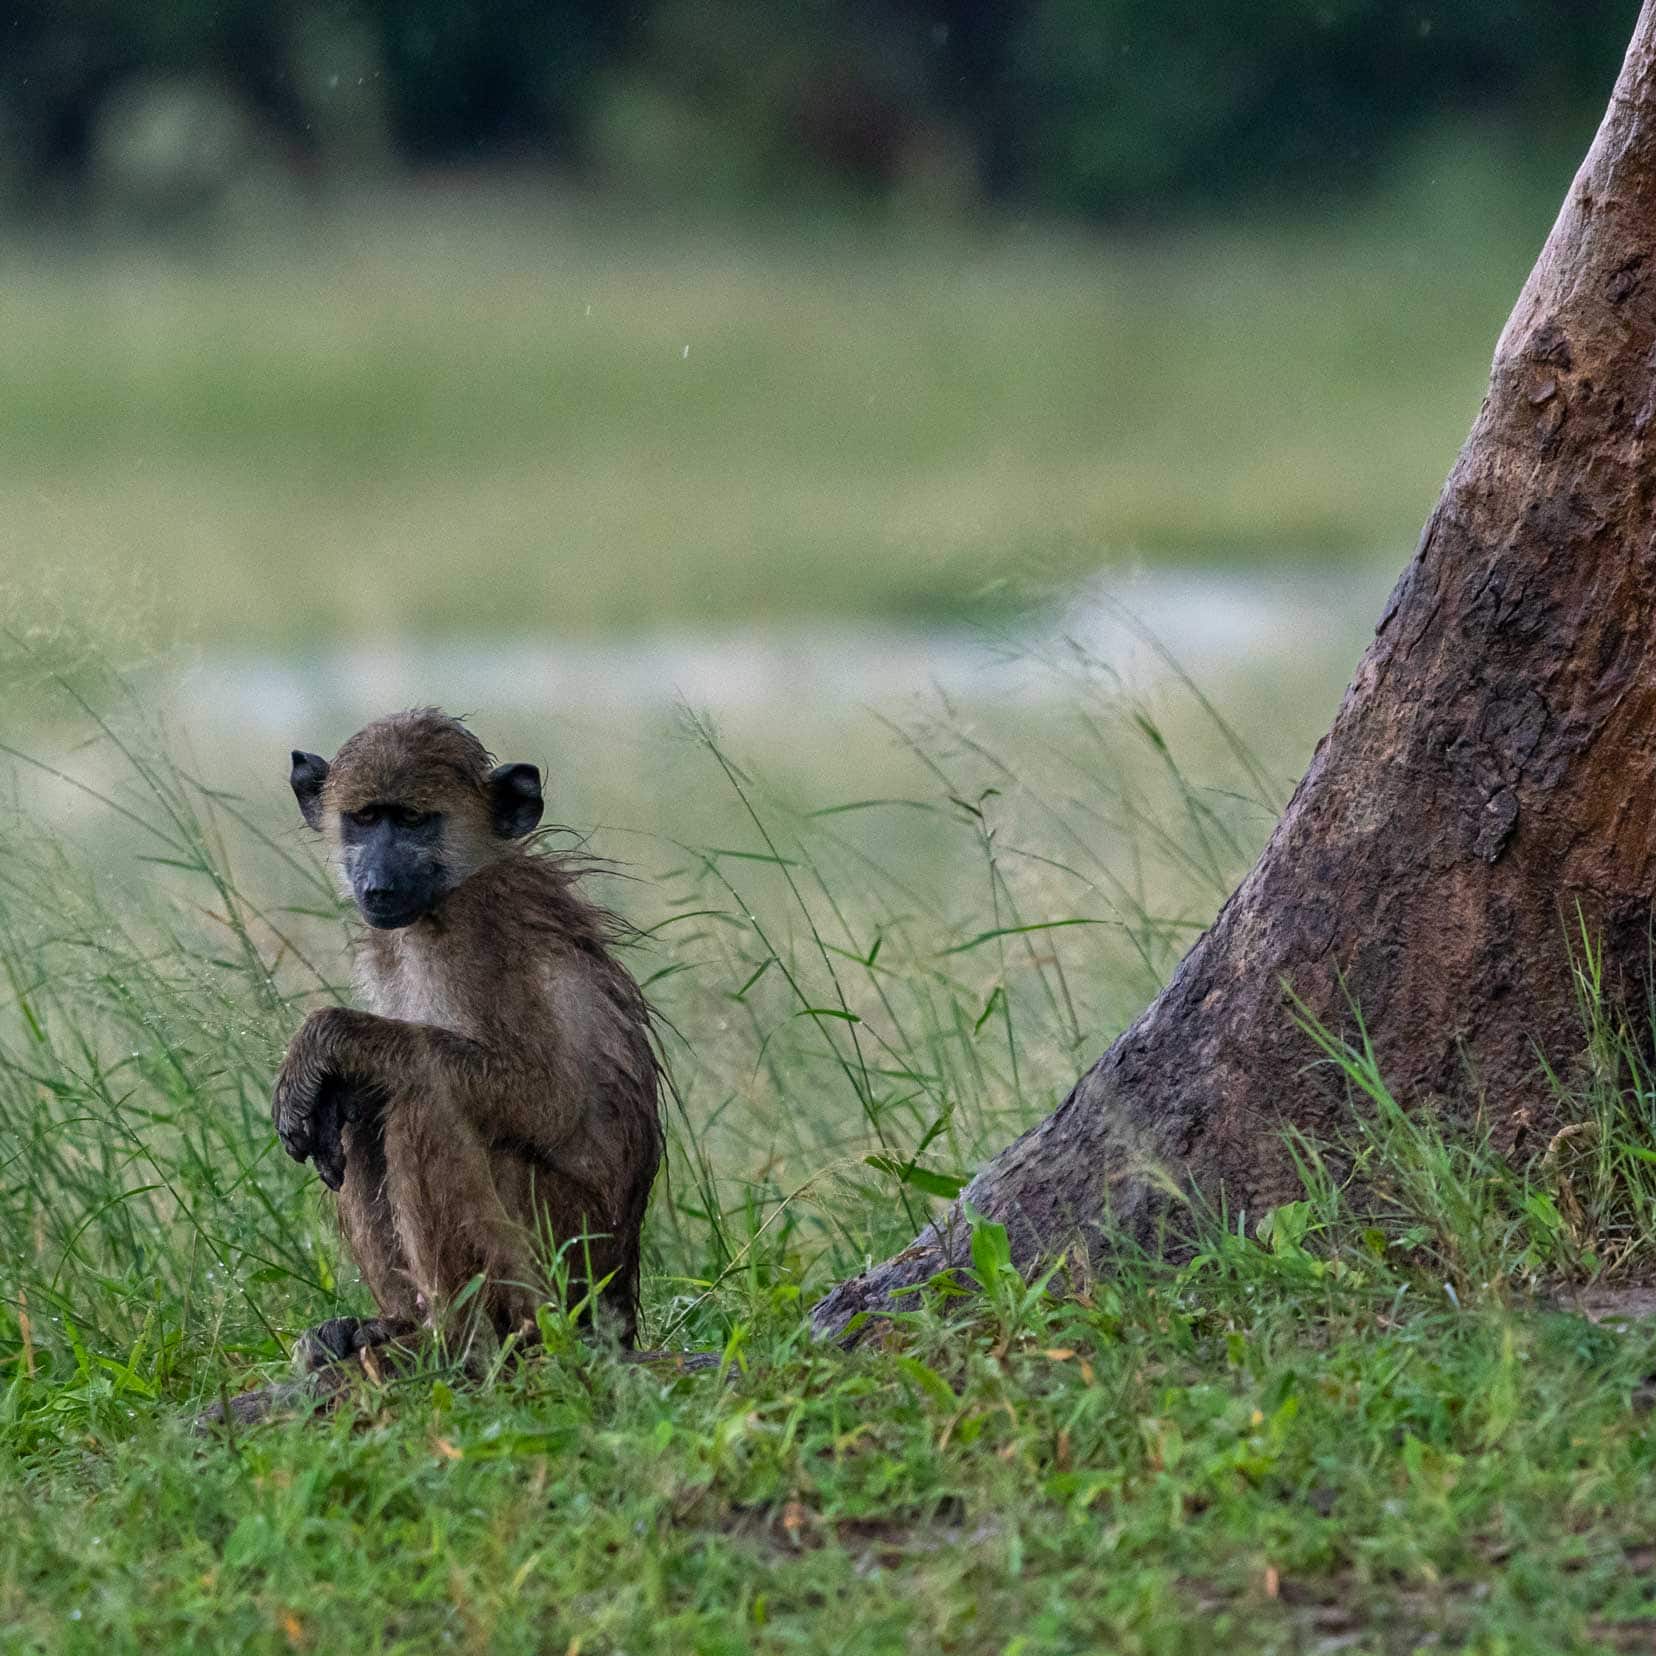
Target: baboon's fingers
(293,1119)
(376,1331)
(296,1140)
(328,1342)
(327,1136)
(303,1083)
(341,1338)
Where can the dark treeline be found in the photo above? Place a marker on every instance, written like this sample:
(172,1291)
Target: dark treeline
(1105,109)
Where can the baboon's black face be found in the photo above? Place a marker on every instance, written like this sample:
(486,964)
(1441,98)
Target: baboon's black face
(408,826)
(392,858)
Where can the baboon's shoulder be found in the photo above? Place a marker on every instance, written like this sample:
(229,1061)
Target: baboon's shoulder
(543,897)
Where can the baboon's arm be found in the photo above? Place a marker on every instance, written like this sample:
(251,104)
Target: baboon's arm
(344,1065)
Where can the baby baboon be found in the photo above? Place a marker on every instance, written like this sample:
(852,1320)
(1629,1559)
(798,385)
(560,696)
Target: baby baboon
(498,1097)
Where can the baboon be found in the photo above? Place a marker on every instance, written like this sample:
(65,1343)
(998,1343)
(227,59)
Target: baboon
(497,1098)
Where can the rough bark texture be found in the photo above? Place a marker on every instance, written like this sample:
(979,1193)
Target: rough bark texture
(1491,767)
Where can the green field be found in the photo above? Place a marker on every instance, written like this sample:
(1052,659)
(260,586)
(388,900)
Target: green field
(1331,1433)
(525,416)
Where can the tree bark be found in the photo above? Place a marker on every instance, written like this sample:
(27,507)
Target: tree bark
(1492,766)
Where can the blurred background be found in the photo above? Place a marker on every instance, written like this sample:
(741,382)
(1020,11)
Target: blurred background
(566,361)
(360,324)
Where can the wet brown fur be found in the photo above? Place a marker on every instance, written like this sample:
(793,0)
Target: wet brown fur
(500,1088)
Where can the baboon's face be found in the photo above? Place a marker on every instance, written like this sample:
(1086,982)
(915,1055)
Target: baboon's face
(391,855)
(411,808)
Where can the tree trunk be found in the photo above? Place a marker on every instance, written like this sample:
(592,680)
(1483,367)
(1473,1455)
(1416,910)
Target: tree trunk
(1492,766)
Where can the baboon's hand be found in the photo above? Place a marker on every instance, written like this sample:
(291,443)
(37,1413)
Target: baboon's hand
(313,1099)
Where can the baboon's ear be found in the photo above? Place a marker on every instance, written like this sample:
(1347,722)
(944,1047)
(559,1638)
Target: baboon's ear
(310,771)
(515,800)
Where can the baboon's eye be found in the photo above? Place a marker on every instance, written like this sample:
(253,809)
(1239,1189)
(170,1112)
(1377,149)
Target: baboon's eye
(365,818)
(405,816)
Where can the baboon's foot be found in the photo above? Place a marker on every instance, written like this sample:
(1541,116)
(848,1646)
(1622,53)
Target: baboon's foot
(288,1399)
(329,1359)
(341,1338)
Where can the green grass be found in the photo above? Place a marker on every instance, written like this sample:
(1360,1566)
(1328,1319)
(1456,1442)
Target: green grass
(1250,1455)
(519,415)
(1331,1428)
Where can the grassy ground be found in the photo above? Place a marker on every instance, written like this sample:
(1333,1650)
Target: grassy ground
(1329,1433)
(896,939)
(519,416)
